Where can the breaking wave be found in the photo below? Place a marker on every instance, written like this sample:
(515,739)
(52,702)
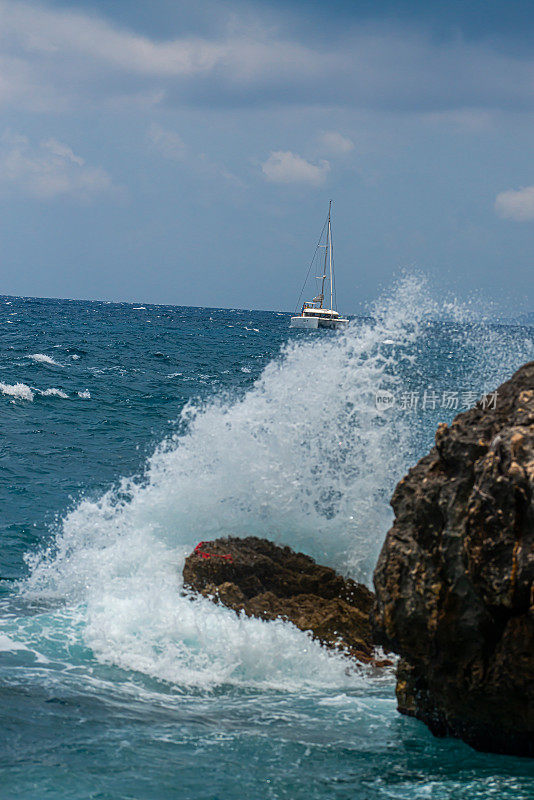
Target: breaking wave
(41,358)
(303,458)
(17,390)
(54,393)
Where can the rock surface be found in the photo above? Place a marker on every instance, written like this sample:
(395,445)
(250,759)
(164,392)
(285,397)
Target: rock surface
(454,581)
(267,581)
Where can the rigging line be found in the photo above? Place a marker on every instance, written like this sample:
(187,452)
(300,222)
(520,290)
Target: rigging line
(311,265)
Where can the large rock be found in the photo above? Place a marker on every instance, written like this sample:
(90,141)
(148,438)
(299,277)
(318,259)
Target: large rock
(454,581)
(267,581)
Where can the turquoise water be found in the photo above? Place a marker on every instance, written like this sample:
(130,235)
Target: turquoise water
(132,432)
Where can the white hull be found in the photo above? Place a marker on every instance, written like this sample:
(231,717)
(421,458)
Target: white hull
(311,323)
(304,322)
(335,324)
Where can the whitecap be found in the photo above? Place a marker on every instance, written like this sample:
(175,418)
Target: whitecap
(17,390)
(54,393)
(85,395)
(41,358)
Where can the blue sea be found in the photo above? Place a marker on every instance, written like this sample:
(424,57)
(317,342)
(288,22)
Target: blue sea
(130,432)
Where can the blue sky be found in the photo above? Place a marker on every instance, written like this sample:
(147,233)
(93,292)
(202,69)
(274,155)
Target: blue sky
(165,151)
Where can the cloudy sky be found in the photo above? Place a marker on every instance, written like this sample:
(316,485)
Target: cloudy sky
(179,152)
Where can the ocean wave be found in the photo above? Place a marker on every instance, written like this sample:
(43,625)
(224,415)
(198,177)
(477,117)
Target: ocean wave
(41,358)
(17,390)
(8,645)
(21,391)
(303,458)
(54,393)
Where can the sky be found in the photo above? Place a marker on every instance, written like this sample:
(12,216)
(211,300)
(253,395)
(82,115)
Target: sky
(185,153)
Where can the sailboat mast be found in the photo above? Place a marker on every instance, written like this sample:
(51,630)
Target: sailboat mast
(327,248)
(329,236)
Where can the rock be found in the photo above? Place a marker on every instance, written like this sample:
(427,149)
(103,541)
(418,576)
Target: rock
(264,580)
(454,580)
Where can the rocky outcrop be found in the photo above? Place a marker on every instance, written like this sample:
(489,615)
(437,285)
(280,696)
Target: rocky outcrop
(454,581)
(264,580)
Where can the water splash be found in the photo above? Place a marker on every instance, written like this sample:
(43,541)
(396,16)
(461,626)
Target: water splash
(303,458)
(17,390)
(42,358)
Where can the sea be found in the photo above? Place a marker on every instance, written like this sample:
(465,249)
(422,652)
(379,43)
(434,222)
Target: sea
(129,433)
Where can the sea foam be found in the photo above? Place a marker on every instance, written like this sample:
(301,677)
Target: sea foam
(54,393)
(17,390)
(41,358)
(304,458)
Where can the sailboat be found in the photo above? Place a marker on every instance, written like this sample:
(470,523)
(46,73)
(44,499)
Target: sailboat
(314,314)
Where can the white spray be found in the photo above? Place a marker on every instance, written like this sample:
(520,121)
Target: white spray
(304,458)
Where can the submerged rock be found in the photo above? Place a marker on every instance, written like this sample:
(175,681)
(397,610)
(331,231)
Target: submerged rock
(454,581)
(267,581)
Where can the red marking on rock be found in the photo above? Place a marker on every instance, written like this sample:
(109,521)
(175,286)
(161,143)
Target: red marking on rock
(202,554)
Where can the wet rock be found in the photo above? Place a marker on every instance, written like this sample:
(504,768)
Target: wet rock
(264,580)
(454,581)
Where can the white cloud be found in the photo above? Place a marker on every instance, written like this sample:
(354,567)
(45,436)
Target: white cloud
(48,170)
(335,143)
(62,152)
(50,32)
(283,166)
(516,204)
(167,142)
(172,147)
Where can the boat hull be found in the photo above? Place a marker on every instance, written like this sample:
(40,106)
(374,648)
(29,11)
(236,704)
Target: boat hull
(312,323)
(333,324)
(304,322)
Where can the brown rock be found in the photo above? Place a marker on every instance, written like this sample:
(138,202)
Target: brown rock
(267,581)
(454,578)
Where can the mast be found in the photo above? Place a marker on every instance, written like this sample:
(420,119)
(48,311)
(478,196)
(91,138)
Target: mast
(329,250)
(326,251)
